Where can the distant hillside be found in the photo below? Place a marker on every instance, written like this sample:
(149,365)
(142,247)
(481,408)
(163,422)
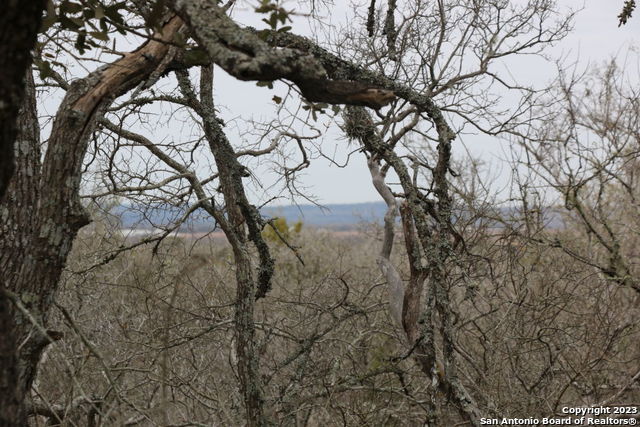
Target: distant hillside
(330,216)
(333,216)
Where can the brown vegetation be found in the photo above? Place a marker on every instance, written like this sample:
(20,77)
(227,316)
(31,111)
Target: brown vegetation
(457,313)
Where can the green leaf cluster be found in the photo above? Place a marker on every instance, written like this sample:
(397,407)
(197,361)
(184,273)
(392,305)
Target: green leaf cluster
(277,15)
(278,229)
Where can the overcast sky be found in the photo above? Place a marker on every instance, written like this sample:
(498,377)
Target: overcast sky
(596,38)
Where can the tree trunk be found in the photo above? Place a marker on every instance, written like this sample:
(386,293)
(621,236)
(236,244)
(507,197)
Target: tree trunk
(19,24)
(41,213)
(242,216)
(19,257)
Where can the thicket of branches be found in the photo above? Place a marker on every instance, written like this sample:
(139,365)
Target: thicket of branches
(454,309)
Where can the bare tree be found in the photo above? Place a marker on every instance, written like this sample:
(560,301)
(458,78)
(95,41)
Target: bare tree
(281,332)
(435,247)
(587,154)
(42,213)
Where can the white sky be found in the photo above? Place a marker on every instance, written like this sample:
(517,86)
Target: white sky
(595,39)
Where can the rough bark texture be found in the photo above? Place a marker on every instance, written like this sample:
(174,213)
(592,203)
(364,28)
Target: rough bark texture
(244,226)
(41,212)
(339,69)
(19,24)
(15,246)
(241,53)
(241,214)
(11,412)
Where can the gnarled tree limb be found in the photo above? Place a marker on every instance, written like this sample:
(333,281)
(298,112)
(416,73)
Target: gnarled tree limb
(241,53)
